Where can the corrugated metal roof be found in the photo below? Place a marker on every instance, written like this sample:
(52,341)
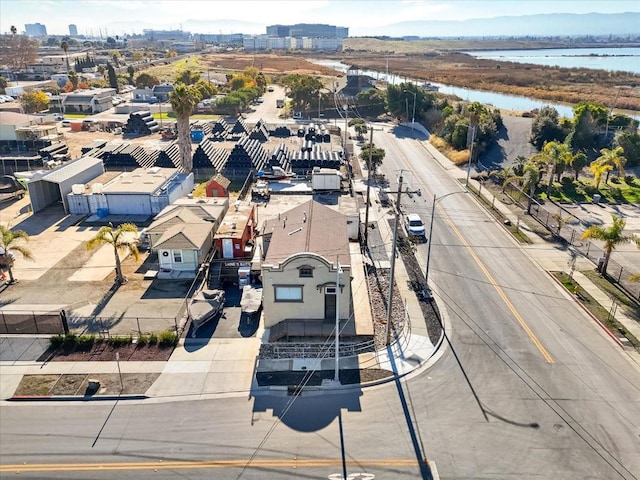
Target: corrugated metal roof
(69,169)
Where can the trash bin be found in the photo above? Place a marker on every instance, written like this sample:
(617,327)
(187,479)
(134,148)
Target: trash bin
(596,198)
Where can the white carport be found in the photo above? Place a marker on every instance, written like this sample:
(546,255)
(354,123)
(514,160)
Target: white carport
(48,187)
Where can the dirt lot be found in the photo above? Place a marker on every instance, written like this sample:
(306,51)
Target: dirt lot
(78,384)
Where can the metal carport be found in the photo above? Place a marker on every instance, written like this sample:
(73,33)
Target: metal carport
(48,187)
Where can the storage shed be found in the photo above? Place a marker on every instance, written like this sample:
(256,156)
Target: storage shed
(140,192)
(48,187)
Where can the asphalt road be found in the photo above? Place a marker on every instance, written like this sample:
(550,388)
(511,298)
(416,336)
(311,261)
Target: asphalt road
(527,388)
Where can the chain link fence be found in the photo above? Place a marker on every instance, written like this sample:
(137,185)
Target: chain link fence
(32,322)
(558,223)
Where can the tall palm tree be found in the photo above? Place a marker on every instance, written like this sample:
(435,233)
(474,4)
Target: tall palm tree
(614,158)
(183,99)
(9,243)
(122,238)
(13,30)
(530,179)
(65,46)
(611,236)
(554,154)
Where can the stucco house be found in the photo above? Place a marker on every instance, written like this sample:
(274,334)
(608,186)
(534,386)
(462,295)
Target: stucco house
(306,251)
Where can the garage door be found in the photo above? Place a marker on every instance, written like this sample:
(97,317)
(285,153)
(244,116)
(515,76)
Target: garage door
(129,204)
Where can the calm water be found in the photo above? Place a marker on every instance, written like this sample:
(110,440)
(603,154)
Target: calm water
(610,59)
(499,100)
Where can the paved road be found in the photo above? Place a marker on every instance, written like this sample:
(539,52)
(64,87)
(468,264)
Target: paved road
(528,388)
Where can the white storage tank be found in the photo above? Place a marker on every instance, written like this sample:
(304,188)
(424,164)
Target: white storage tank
(77,188)
(97,188)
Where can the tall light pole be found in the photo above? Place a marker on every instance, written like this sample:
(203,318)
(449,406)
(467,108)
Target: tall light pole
(336,373)
(430,237)
(415,94)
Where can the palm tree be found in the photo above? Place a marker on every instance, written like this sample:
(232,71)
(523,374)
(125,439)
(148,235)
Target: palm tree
(8,243)
(65,46)
(530,179)
(614,158)
(183,99)
(122,238)
(599,168)
(611,236)
(578,162)
(13,30)
(554,153)
(73,78)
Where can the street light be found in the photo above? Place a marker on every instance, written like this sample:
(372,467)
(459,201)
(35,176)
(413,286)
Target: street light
(430,237)
(413,118)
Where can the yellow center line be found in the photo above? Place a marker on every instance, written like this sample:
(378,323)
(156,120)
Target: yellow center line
(160,465)
(500,291)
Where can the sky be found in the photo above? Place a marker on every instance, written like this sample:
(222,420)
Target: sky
(116,17)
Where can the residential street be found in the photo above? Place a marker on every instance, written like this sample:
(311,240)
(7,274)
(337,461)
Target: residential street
(528,386)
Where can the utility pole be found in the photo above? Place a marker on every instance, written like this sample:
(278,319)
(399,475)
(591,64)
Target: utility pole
(366,215)
(319,95)
(393,258)
(346,126)
(473,138)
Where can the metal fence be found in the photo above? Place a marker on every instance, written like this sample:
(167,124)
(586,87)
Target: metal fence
(557,223)
(31,322)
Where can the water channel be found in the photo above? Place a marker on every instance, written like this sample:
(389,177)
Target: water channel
(499,100)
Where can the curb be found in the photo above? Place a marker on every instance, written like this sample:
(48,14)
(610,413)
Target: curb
(586,310)
(74,398)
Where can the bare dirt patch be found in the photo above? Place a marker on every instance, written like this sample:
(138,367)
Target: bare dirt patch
(267,63)
(78,384)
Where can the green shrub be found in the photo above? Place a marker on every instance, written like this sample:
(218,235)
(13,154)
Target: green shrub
(85,342)
(566,181)
(153,339)
(119,341)
(56,341)
(143,340)
(168,339)
(70,339)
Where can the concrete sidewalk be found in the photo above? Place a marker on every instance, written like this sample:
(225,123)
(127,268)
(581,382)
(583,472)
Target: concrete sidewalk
(210,368)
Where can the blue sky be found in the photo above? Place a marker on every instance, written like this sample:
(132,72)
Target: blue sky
(127,16)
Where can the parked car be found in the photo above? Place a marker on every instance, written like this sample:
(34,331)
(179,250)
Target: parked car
(65,123)
(58,116)
(270,89)
(414,225)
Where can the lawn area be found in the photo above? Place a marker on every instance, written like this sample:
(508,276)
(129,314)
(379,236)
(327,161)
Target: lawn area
(617,190)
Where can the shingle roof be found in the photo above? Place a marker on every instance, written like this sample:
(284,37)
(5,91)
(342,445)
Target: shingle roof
(189,236)
(310,227)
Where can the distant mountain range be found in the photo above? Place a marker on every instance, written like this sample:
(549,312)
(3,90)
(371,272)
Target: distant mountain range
(553,24)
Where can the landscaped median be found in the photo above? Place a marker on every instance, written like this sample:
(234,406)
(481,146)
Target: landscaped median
(604,318)
(107,383)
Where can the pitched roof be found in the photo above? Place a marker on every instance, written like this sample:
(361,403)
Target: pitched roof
(15,118)
(221,180)
(177,216)
(188,236)
(69,169)
(309,227)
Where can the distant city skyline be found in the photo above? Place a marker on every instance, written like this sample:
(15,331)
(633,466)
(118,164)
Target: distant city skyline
(118,17)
